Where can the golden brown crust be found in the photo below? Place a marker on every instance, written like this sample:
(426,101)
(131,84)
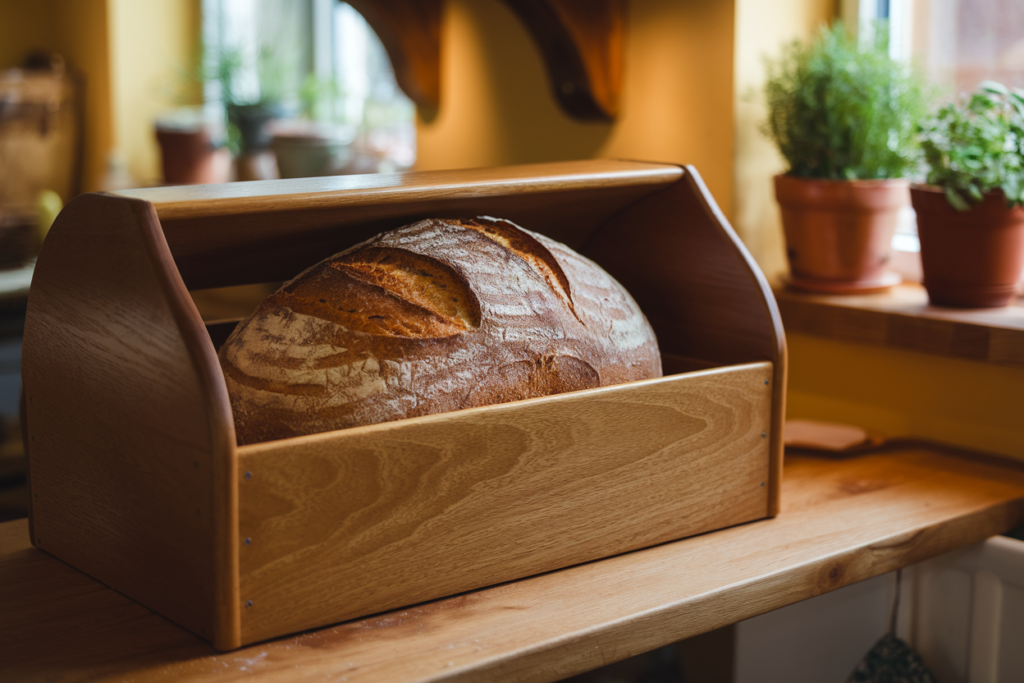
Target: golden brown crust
(432,317)
(527,247)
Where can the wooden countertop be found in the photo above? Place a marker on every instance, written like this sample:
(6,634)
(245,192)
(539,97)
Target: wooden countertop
(842,521)
(901,317)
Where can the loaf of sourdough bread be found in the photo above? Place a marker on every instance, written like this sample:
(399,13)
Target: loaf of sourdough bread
(436,316)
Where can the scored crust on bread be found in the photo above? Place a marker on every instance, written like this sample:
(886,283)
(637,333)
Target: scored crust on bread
(436,316)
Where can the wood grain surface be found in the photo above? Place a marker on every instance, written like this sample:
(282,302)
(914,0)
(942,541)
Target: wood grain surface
(842,521)
(349,523)
(131,441)
(265,231)
(902,318)
(706,298)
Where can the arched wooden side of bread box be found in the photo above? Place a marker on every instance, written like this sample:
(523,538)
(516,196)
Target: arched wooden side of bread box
(136,478)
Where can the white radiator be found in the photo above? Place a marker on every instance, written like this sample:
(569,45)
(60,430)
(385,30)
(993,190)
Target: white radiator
(963,612)
(968,613)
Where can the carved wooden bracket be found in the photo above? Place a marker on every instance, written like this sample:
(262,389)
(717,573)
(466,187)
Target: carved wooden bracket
(582,42)
(411,33)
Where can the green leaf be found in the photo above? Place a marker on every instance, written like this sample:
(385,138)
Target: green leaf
(994,87)
(976,144)
(955,200)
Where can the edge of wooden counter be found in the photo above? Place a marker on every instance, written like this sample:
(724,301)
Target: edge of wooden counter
(842,521)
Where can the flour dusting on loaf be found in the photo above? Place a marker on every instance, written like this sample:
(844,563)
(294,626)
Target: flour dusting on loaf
(436,316)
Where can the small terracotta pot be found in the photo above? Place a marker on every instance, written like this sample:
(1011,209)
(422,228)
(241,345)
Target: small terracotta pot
(839,232)
(306,149)
(970,258)
(188,157)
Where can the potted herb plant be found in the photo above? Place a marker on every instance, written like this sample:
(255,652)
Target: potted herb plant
(970,216)
(318,143)
(255,89)
(192,149)
(844,115)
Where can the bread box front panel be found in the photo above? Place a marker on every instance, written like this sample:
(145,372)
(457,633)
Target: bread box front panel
(348,523)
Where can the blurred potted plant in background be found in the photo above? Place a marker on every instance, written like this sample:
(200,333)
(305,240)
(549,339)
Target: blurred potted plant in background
(970,216)
(192,136)
(193,147)
(385,142)
(844,114)
(318,143)
(254,91)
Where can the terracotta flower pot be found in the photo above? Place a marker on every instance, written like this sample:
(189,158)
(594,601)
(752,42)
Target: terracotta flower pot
(306,149)
(252,120)
(839,232)
(970,258)
(189,157)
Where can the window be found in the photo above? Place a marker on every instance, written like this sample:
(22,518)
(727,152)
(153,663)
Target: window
(316,61)
(957,42)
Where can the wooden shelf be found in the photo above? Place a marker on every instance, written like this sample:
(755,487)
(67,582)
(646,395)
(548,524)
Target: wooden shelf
(902,318)
(842,521)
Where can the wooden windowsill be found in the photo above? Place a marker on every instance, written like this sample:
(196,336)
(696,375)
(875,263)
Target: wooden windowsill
(902,318)
(842,521)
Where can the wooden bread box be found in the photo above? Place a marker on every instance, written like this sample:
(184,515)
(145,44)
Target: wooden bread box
(136,478)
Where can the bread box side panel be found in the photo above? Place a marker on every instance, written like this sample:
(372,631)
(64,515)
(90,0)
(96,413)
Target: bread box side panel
(703,293)
(349,523)
(128,423)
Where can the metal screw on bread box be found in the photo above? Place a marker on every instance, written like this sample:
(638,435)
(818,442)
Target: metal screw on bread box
(764,434)
(248,475)
(248,541)
(766,382)
(248,604)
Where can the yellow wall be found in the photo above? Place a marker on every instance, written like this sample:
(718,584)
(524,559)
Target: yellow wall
(497,107)
(152,46)
(77,29)
(901,393)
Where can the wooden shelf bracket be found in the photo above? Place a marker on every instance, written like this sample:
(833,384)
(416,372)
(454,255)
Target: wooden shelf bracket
(410,31)
(582,42)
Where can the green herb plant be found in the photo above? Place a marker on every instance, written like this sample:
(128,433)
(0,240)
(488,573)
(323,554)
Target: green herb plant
(840,109)
(975,145)
(267,82)
(321,98)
